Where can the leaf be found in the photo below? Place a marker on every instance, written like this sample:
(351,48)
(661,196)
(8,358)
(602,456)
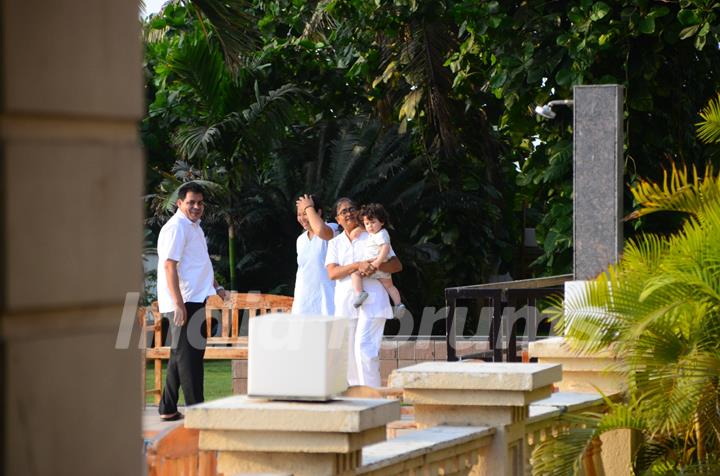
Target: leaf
(562,39)
(705,29)
(647,25)
(158,22)
(576,16)
(599,11)
(410,104)
(498,79)
(688,32)
(659,12)
(564,77)
(688,17)
(387,74)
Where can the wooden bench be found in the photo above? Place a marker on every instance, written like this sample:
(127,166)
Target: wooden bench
(229,345)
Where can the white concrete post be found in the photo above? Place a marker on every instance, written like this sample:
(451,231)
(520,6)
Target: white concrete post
(300,438)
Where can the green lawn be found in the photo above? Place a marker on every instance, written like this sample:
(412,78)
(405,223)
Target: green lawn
(218,380)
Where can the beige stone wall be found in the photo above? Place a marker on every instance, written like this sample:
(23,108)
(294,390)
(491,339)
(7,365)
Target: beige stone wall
(394,354)
(72,177)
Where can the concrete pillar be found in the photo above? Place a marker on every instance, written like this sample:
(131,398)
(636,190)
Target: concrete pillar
(71,228)
(597,178)
(497,395)
(299,438)
(580,372)
(590,373)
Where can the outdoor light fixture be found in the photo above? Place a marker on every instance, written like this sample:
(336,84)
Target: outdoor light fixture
(547,112)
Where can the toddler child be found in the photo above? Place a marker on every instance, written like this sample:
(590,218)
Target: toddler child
(375,218)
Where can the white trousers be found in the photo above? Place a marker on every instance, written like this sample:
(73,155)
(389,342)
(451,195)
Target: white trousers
(364,360)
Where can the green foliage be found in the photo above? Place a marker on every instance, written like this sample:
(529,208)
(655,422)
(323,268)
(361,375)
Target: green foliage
(677,193)
(526,53)
(709,128)
(658,309)
(428,105)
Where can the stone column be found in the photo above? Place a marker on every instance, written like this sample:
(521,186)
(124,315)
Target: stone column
(498,395)
(299,438)
(580,372)
(597,178)
(71,228)
(589,373)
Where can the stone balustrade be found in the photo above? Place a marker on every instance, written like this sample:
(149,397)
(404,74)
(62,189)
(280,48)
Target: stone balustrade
(472,419)
(544,422)
(480,394)
(446,450)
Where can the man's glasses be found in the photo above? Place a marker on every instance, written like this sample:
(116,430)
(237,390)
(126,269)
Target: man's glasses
(347,210)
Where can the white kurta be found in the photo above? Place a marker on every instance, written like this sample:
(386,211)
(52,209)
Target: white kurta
(314,291)
(366,333)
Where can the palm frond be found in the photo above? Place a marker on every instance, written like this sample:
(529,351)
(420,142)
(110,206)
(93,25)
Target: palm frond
(708,130)
(235,27)
(429,40)
(677,192)
(196,141)
(265,119)
(200,65)
(321,19)
(347,153)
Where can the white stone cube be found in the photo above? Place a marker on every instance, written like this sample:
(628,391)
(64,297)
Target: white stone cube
(294,357)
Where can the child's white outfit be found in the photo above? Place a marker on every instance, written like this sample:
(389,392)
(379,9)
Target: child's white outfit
(372,249)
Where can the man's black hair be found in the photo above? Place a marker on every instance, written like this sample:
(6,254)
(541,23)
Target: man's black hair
(190,187)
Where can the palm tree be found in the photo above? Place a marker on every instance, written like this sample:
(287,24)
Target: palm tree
(226,138)
(659,308)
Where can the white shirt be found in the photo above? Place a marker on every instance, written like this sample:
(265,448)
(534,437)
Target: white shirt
(183,241)
(314,290)
(375,241)
(342,252)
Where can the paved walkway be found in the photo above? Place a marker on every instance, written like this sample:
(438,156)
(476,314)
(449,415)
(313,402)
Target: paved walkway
(152,424)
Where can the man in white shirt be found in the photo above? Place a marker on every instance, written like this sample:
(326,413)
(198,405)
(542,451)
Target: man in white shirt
(185,279)
(344,256)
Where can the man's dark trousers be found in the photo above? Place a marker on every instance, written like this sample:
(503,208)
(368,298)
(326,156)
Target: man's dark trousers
(185,368)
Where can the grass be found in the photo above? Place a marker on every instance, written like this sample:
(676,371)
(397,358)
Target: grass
(218,380)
